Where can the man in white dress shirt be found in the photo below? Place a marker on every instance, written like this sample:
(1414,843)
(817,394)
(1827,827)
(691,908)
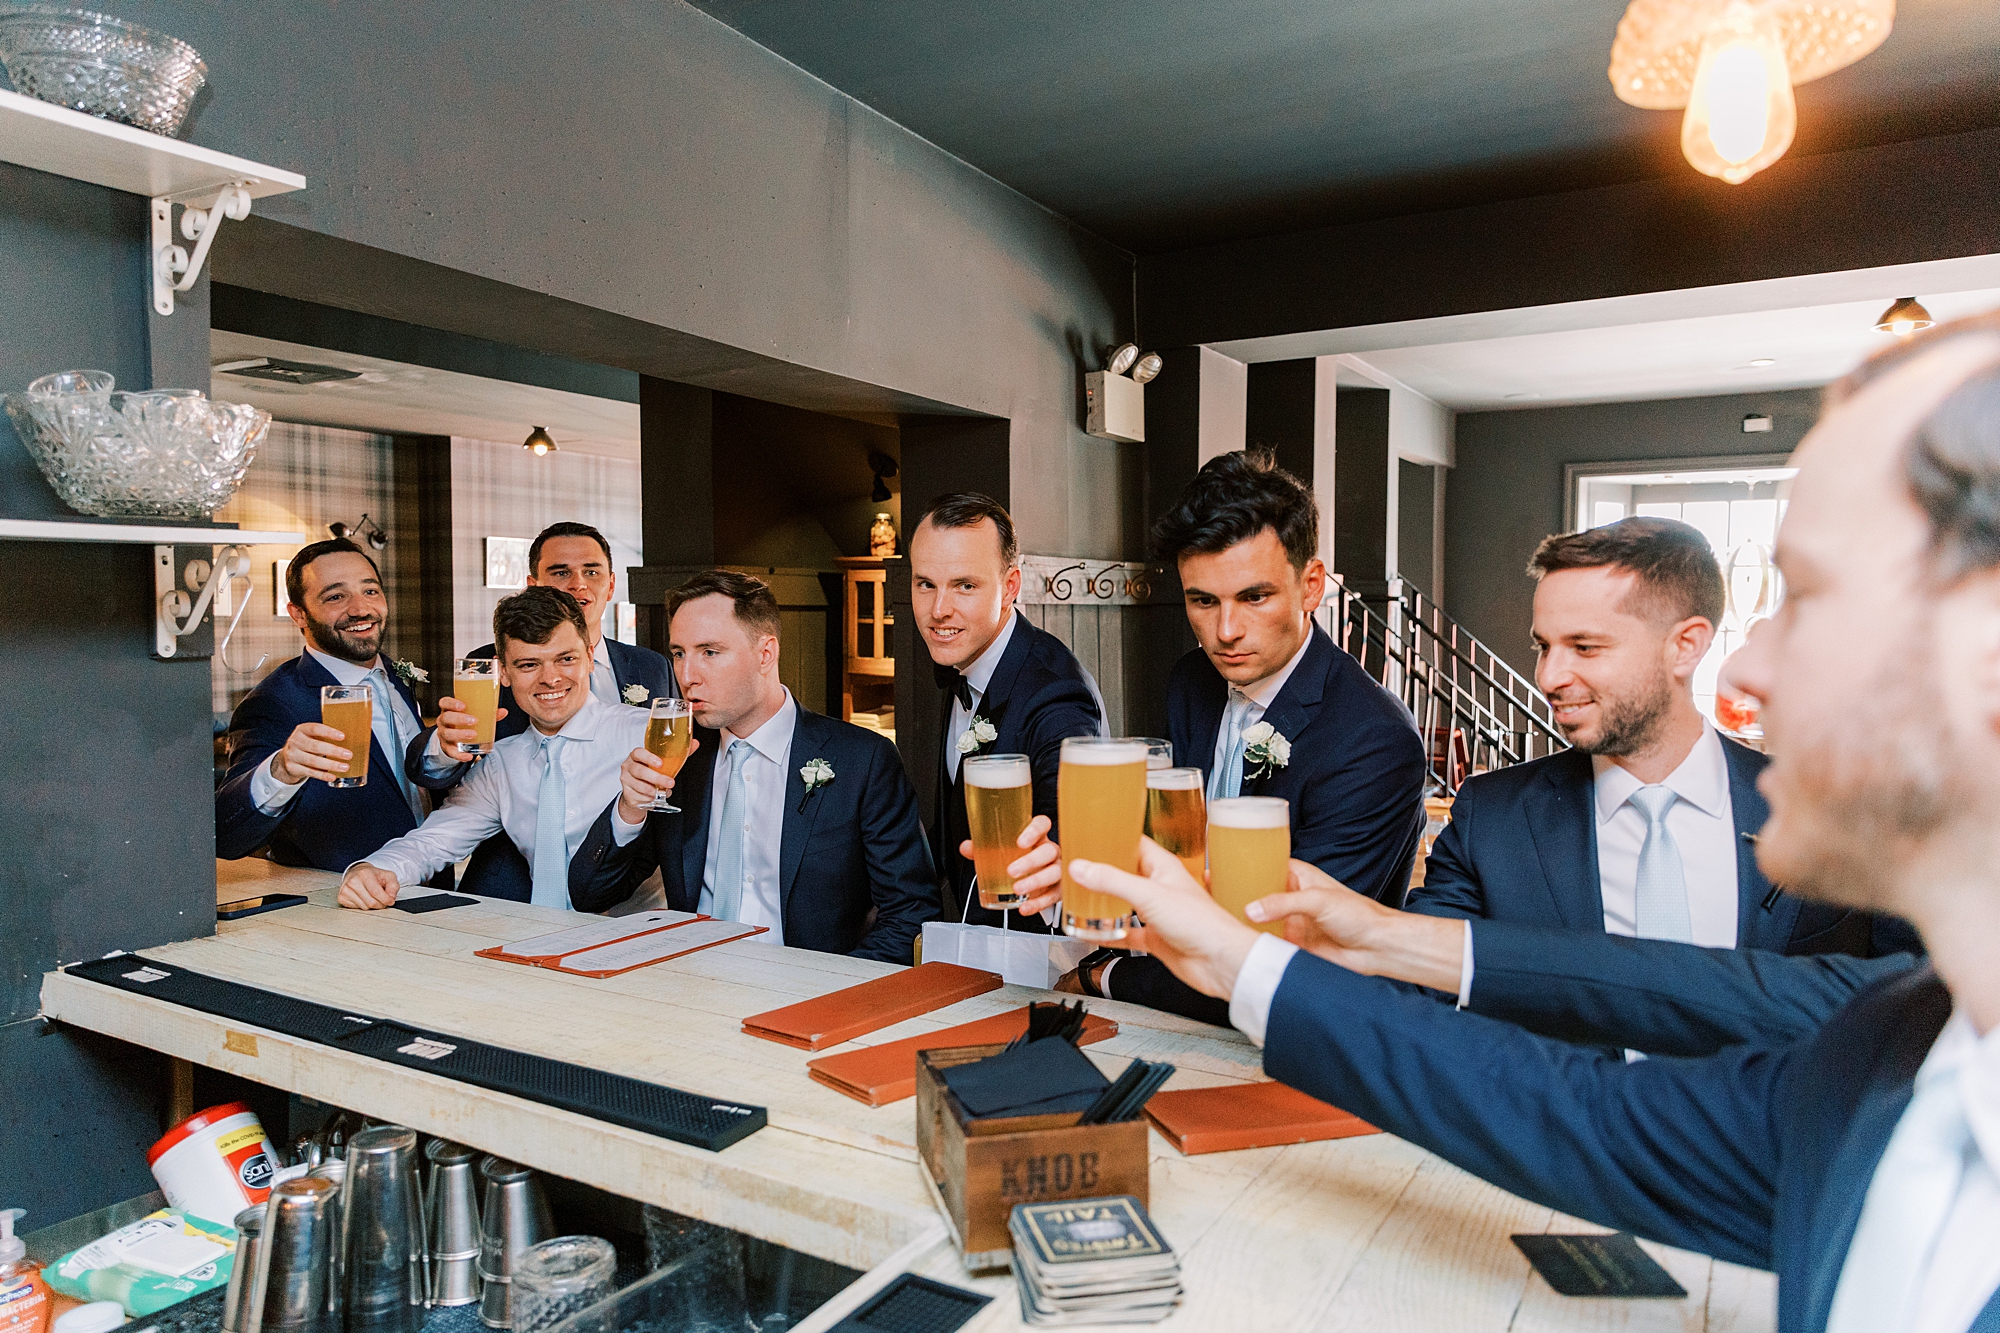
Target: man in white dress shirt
(544,787)
(1861,1163)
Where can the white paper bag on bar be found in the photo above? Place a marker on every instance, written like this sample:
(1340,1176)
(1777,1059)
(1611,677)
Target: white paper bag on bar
(1023,958)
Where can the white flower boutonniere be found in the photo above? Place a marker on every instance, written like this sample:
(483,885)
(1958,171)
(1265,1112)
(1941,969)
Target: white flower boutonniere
(817,773)
(1265,750)
(981,732)
(411,673)
(636,694)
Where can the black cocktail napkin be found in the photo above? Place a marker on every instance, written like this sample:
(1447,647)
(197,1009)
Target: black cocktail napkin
(1041,1078)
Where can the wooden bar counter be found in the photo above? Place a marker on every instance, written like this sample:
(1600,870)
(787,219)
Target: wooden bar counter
(1368,1234)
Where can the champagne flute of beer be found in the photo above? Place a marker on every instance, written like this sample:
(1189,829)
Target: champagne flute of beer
(668,731)
(1249,853)
(999,802)
(1175,818)
(475,682)
(350,710)
(1101,801)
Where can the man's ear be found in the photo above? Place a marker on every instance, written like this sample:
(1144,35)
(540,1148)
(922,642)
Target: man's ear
(1314,576)
(1010,589)
(298,616)
(1687,643)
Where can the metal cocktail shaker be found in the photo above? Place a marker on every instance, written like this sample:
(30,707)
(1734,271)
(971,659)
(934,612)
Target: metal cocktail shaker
(516,1216)
(383,1272)
(451,1223)
(243,1272)
(292,1292)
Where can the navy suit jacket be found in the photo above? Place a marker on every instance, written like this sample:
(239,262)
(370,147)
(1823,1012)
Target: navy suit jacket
(1355,782)
(1036,697)
(854,873)
(1758,1155)
(324,827)
(497,869)
(1522,847)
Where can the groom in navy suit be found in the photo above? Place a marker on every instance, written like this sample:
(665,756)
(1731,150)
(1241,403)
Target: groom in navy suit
(275,797)
(1861,1163)
(1268,706)
(1624,614)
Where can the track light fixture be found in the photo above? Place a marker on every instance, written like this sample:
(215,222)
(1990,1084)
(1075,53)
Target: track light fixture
(539,443)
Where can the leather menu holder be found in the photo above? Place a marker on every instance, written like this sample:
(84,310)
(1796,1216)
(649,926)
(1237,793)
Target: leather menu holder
(1248,1115)
(814,1025)
(888,1073)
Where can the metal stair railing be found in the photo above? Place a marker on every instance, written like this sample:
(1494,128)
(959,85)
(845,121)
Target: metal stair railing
(1474,710)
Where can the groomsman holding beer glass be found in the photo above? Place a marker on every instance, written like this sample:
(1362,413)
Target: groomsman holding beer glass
(1009,687)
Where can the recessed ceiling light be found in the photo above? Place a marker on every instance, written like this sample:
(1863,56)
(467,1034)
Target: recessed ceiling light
(1763,361)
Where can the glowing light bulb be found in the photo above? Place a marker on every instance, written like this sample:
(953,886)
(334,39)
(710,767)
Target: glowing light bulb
(1740,115)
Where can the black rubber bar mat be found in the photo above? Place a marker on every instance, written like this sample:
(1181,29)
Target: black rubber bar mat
(913,1304)
(651,1108)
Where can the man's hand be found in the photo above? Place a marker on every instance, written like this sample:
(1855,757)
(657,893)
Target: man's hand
(1198,940)
(1326,918)
(1037,875)
(641,776)
(313,750)
(368,887)
(456,726)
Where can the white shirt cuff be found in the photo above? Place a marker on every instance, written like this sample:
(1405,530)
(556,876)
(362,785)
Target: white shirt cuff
(1104,978)
(622,832)
(436,764)
(269,795)
(1257,985)
(1465,969)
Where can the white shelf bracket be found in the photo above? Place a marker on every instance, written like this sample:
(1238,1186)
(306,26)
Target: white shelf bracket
(178,614)
(174,270)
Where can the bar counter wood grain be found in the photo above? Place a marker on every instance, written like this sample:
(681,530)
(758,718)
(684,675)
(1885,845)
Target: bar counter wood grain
(1365,1234)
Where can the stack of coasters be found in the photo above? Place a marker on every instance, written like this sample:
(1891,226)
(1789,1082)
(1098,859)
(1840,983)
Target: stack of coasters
(1093,1261)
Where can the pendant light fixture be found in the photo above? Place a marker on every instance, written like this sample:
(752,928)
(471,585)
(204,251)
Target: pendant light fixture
(1733,64)
(539,443)
(1904,317)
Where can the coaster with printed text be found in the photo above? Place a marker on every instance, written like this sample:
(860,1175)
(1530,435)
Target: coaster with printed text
(1611,1264)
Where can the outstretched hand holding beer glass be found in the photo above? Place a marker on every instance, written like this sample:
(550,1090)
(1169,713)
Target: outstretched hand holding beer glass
(468,715)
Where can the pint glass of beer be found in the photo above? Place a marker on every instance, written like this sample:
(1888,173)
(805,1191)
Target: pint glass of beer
(1159,752)
(1249,848)
(475,682)
(999,802)
(349,710)
(668,732)
(1175,818)
(1101,798)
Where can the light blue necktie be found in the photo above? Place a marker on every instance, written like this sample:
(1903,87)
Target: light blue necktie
(389,735)
(727,891)
(1660,906)
(551,882)
(1227,779)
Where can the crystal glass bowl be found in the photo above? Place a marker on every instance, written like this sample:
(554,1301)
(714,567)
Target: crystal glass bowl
(99,64)
(168,453)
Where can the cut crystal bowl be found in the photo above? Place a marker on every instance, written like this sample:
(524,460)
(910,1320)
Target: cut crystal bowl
(101,65)
(168,453)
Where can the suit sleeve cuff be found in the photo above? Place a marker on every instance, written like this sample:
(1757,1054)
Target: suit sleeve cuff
(1257,985)
(1465,969)
(269,795)
(622,832)
(436,765)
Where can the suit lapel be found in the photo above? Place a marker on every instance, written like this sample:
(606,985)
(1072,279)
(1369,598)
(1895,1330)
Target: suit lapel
(809,741)
(1296,705)
(392,764)
(1210,698)
(1563,826)
(1755,927)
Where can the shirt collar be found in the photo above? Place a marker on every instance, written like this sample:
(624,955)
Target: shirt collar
(585,725)
(1265,692)
(980,674)
(1702,780)
(773,740)
(342,670)
(1960,1050)
(601,655)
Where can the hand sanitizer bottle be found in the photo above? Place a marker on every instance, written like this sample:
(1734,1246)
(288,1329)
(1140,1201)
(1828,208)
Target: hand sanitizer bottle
(24,1297)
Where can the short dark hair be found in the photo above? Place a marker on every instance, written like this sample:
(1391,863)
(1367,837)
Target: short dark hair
(1678,575)
(564,530)
(533,615)
(756,608)
(967,509)
(295,572)
(1233,498)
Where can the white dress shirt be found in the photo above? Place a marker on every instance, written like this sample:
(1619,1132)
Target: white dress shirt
(500,793)
(769,763)
(603,680)
(978,675)
(1261,694)
(271,796)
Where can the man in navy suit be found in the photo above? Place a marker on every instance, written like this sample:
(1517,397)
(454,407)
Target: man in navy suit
(1624,614)
(788,819)
(1863,1162)
(275,798)
(1268,706)
(576,558)
(1008,688)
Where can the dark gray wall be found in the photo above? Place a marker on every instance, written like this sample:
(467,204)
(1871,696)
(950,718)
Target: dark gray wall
(1361,552)
(107,785)
(1416,524)
(1506,493)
